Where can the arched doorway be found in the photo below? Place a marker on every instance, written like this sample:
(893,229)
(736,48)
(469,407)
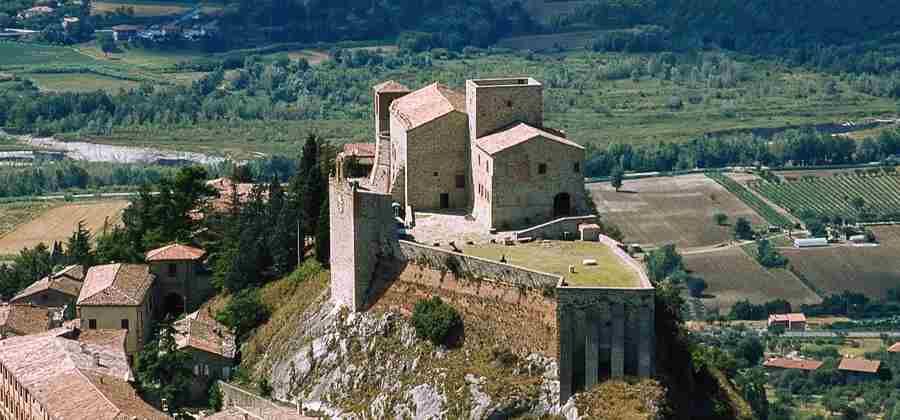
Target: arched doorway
(173,305)
(562,205)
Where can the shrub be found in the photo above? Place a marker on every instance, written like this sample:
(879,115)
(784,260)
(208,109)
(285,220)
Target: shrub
(720,218)
(696,286)
(243,312)
(434,320)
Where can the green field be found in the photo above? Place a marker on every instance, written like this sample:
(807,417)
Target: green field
(832,196)
(556,258)
(15,55)
(64,82)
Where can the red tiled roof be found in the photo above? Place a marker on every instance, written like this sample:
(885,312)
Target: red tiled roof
(427,104)
(116,285)
(515,135)
(796,317)
(783,363)
(366,150)
(175,252)
(24,319)
(859,365)
(66,281)
(226,187)
(64,376)
(390,86)
(895,348)
(201,332)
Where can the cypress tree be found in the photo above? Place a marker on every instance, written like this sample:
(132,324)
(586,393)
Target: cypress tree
(78,249)
(323,236)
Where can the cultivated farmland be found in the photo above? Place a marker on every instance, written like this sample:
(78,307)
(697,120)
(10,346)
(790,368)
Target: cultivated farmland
(832,196)
(731,275)
(670,210)
(58,223)
(14,214)
(869,270)
(772,216)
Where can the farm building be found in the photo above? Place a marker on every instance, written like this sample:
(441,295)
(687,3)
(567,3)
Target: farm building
(795,364)
(859,369)
(790,322)
(810,242)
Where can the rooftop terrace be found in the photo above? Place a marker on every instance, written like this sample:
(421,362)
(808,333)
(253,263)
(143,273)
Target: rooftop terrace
(556,256)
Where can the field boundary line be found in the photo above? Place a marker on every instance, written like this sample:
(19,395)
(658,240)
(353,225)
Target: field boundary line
(819,292)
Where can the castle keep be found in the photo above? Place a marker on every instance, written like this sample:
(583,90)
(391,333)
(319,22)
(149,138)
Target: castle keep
(485,151)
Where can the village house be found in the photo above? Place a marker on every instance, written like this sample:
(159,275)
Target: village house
(57,290)
(792,364)
(179,279)
(67,374)
(790,322)
(857,370)
(119,296)
(211,346)
(122,33)
(485,152)
(26,319)
(358,159)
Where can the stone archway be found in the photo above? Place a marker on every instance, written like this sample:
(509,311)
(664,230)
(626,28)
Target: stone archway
(173,305)
(562,205)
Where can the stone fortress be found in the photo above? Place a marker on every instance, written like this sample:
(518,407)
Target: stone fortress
(488,154)
(485,152)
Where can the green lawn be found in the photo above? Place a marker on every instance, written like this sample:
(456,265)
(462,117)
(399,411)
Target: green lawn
(556,258)
(17,55)
(139,57)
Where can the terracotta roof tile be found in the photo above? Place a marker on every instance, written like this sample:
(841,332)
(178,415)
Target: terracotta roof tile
(63,374)
(201,332)
(116,284)
(24,319)
(518,134)
(67,281)
(390,86)
(175,252)
(226,187)
(427,104)
(859,365)
(796,317)
(895,348)
(793,364)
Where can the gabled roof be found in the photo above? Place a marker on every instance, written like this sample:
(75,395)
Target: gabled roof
(175,252)
(67,281)
(201,332)
(895,348)
(783,363)
(518,134)
(24,319)
(363,150)
(116,285)
(390,86)
(859,365)
(427,104)
(796,317)
(64,375)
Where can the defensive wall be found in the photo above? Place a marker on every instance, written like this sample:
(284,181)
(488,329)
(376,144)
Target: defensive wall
(596,333)
(555,229)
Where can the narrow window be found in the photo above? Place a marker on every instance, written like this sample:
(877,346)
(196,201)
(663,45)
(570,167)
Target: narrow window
(460,181)
(124,324)
(92,324)
(509,104)
(173,270)
(542,168)
(576,167)
(435,174)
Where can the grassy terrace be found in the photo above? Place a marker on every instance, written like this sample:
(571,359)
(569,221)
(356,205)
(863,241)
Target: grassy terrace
(610,271)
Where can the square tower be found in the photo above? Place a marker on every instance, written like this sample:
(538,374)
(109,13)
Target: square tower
(493,104)
(384,94)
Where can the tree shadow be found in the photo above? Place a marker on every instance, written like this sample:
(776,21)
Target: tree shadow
(628,192)
(457,337)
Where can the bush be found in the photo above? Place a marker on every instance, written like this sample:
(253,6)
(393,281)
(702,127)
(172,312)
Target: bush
(243,312)
(696,287)
(721,219)
(434,320)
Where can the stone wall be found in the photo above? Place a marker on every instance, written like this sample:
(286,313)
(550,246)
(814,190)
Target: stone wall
(482,185)
(523,318)
(554,229)
(496,103)
(436,154)
(475,267)
(522,195)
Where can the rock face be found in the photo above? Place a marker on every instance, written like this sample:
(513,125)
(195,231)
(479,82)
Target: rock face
(371,365)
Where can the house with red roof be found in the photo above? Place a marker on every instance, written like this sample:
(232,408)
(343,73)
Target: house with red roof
(212,348)
(790,322)
(857,370)
(180,278)
(807,365)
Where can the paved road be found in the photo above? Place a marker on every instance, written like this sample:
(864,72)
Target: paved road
(850,334)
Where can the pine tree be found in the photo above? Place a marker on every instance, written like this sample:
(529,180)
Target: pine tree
(323,236)
(78,249)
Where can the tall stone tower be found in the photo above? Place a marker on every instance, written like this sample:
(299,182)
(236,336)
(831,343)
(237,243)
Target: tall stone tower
(362,231)
(493,104)
(384,94)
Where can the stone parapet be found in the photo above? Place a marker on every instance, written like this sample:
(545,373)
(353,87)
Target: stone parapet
(554,229)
